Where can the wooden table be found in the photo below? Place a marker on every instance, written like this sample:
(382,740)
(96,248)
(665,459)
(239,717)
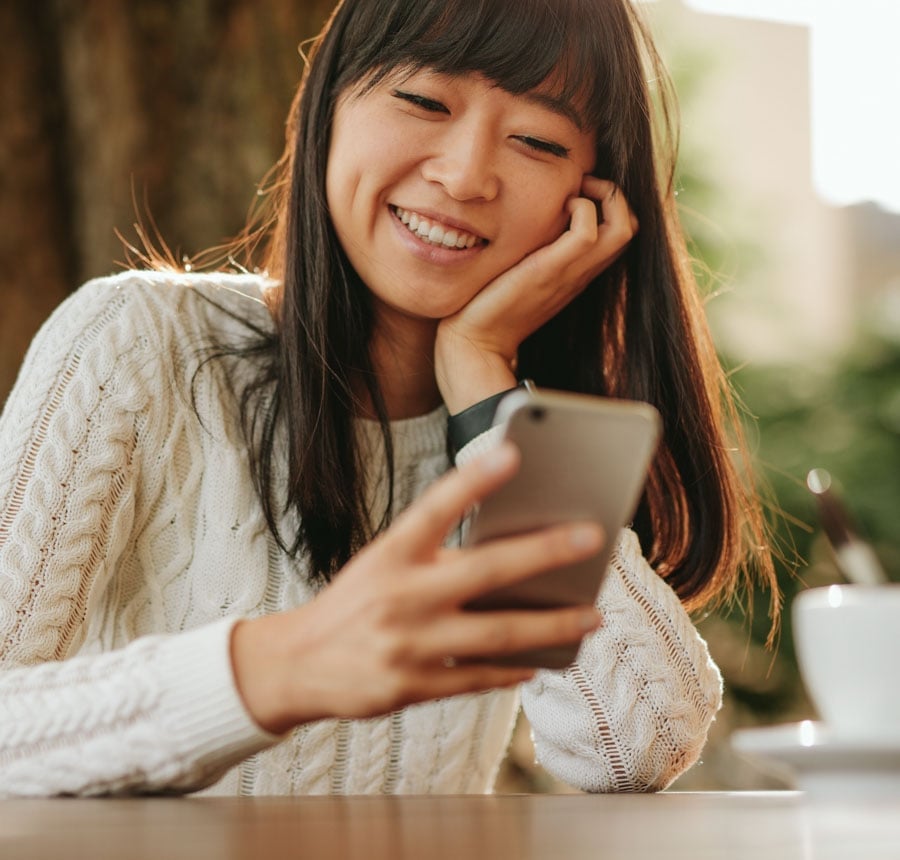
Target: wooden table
(669,826)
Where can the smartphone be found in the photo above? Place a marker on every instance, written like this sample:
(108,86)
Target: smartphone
(583,458)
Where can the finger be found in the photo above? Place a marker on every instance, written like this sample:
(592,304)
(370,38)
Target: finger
(423,526)
(598,189)
(483,636)
(608,239)
(554,269)
(507,561)
(586,218)
(599,227)
(611,203)
(617,214)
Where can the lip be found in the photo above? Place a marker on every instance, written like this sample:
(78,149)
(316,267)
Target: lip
(436,253)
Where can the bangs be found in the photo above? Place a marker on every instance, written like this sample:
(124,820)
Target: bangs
(521,45)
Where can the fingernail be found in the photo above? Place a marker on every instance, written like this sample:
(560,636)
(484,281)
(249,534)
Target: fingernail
(586,537)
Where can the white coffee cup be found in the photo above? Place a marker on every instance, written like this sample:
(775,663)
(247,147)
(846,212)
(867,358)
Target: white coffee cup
(847,639)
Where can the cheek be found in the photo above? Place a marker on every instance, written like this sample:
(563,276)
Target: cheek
(332,197)
(336,182)
(541,215)
(348,155)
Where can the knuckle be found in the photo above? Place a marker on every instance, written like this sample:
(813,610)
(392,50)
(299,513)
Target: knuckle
(558,547)
(583,240)
(621,233)
(390,693)
(429,507)
(388,614)
(475,682)
(500,638)
(398,689)
(569,626)
(391,650)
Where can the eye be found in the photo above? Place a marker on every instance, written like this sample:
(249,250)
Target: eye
(422,102)
(535,143)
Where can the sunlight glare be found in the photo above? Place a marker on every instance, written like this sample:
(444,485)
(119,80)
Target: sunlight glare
(854,86)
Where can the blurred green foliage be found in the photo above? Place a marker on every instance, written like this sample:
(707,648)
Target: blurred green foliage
(843,417)
(841,413)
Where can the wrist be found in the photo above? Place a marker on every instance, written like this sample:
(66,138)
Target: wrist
(466,382)
(468,369)
(256,667)
(464,426)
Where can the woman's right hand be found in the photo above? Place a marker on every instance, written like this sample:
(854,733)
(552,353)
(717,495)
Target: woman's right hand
(476,349)
(379,637)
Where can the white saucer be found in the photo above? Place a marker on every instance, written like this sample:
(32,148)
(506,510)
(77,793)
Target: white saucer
(823,764)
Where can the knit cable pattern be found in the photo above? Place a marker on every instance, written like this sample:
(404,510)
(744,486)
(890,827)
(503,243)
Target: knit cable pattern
(632,712)
(131,540)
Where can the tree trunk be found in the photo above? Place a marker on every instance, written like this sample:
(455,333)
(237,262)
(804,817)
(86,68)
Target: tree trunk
(170,111)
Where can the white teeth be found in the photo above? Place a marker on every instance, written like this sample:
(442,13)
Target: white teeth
(435,234)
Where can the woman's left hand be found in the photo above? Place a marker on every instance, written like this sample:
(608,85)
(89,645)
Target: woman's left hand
(476,348)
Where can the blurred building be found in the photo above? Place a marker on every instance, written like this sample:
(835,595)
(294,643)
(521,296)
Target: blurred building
(766,120)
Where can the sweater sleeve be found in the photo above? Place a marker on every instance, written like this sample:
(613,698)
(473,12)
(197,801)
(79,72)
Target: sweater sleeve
(162,713)
(632,713)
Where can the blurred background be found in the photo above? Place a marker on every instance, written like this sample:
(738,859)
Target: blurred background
(113,110)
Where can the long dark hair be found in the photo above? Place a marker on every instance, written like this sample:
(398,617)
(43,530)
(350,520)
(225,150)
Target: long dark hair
(637,332)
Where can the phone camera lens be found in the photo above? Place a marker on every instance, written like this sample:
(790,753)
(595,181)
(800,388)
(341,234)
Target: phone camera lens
(538,413)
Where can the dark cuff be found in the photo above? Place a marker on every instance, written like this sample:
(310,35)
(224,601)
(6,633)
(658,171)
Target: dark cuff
(463,427)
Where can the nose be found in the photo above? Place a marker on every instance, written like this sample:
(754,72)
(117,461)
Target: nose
(464,163)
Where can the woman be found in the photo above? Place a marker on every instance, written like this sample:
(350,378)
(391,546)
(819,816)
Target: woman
(205,574)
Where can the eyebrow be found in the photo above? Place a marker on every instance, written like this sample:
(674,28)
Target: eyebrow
(562,107)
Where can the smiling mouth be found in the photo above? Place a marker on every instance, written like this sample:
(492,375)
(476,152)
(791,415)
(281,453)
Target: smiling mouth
(433,233)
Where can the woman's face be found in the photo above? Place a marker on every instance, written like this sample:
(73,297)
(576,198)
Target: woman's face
(437,184)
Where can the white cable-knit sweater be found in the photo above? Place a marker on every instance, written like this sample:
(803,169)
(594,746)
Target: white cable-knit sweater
(131,538)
